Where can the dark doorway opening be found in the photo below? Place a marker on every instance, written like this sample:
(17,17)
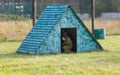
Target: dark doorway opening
(71,33)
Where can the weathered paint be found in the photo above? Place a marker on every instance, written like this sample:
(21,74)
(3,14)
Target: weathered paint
(47,32)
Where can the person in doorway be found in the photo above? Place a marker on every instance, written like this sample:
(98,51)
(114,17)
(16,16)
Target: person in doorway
(67,43)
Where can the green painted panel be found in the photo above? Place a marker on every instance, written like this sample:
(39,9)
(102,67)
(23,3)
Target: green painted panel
(45,36)
(99,33)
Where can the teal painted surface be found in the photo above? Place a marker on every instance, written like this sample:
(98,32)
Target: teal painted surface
(45,36)
(41,29)
(99,33)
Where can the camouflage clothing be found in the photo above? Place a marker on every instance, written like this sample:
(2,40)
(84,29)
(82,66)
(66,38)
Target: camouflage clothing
(67,44)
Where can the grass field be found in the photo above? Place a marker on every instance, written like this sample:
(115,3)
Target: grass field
(14,30)
(112,26)
(89,63)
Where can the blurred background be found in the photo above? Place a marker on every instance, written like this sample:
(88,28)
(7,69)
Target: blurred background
(16,15)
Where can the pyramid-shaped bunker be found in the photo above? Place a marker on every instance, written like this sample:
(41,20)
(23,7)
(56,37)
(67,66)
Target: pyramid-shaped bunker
(45,36)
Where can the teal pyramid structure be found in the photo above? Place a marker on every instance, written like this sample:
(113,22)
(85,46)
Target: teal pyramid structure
(45,35)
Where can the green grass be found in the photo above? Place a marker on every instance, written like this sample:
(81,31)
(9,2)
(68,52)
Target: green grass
(89,63)
(6,17)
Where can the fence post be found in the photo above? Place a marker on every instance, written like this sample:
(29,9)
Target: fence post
(93,14)
(34,11)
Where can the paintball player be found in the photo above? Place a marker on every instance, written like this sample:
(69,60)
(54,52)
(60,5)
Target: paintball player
(67,43)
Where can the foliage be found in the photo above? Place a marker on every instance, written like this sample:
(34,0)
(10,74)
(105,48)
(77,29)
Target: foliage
(99,8)
(24,7)
(88,63)
(12,17)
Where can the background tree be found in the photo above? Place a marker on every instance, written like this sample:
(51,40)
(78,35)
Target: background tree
(100,7)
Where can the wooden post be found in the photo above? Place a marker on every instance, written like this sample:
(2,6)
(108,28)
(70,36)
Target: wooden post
(93,14)
(34,11)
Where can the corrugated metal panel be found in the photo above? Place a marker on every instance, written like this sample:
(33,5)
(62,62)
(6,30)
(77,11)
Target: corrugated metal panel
(43,26)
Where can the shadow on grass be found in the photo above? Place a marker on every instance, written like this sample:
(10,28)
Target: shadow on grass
(23,55)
